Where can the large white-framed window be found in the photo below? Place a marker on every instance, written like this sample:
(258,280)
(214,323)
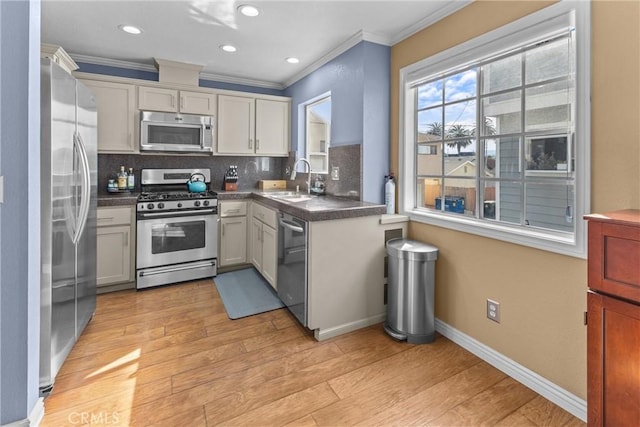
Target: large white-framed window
(495,133)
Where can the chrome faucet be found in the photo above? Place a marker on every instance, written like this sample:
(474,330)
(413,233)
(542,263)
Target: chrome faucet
(293,172)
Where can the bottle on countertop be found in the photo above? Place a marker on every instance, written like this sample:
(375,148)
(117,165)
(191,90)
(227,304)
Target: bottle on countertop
(131,183)
(122,179)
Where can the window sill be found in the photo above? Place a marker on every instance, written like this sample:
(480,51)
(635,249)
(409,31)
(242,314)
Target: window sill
(557,242)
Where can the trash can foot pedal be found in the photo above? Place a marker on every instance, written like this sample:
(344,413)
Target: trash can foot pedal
(394,334)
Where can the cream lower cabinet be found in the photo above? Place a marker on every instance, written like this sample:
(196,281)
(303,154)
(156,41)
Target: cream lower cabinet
(116,116)
(115,248)
(346,276)
(233,233)
(264,242)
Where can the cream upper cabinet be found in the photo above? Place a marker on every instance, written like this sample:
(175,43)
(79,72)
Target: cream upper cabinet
(173,101)
(236,125)
(198,103)
(250,126)
(272,127)
(116,113)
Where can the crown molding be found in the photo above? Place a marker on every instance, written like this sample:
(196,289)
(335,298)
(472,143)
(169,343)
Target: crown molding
(440,13)
(95,60)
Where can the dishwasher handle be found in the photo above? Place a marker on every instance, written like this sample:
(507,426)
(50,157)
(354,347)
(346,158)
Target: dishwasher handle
(291,225)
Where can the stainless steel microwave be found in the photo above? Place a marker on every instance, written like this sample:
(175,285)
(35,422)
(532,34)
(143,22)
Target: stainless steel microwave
(175,132)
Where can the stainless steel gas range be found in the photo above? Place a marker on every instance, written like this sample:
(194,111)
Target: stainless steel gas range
(177,230)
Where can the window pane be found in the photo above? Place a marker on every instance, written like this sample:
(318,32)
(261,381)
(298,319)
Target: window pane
(501,158)
(427,191)
(430,94)
(488,201)
(546,153)
(549,205)
(503,74)
(429,159)
(460,196)
(548,61)
(508,197)
(460,120)
(502,113)
(460,166)
(430,124)
(548,106)
(460,86)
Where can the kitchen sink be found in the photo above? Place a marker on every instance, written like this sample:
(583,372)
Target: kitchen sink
(288,196)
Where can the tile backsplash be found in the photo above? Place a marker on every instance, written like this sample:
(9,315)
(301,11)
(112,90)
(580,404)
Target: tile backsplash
(250,169)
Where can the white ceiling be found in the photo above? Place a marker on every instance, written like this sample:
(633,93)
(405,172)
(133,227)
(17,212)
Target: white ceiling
(315,31)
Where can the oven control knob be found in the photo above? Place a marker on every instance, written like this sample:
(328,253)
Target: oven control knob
(179,205)
(205,203)
(160,205)
(150,206)
(196,203)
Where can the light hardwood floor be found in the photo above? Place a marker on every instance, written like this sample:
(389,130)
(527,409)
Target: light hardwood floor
(170,357)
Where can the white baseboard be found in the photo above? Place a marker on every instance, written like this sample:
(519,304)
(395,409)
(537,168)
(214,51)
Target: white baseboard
(567,401)
(35,417)
(323,334)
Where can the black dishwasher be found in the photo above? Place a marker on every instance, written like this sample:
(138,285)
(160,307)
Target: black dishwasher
(292,265)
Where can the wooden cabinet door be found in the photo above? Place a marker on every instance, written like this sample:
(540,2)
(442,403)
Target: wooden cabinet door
(233,241)
(198,103)
(157,99)
(613,361)
(116,113)
(113,255)
(272,127)
(269,255)
(236,125)
(256,243)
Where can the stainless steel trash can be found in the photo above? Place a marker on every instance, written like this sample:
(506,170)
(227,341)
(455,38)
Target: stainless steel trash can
(410,292)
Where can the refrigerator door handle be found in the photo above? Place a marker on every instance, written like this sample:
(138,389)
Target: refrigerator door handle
(86,187)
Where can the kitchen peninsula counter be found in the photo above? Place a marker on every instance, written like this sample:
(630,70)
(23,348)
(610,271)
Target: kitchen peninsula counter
(317,208)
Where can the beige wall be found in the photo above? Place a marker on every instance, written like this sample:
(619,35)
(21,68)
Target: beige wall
(542,294)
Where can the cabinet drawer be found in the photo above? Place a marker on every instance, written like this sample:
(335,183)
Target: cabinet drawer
(265,215)
(113,216)
(233,209)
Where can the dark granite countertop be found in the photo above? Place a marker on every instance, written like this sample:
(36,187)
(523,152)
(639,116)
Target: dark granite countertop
(117,199)
(317,208)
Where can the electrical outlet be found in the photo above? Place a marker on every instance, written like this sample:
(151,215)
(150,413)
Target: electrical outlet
(335,173)
(493,310)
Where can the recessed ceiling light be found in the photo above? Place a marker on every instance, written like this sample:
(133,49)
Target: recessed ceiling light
(130,29)
(248,10)
(292,60)
(228,48)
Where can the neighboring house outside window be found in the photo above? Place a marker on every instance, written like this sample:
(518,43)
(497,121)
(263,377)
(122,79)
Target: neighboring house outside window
(496,137)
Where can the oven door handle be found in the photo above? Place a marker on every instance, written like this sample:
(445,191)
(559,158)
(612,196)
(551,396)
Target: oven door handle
(163,270)
(142,215)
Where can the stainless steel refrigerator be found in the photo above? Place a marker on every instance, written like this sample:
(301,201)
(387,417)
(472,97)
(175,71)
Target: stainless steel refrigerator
(68,216)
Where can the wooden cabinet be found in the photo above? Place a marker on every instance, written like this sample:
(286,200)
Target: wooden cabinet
(613,328)
(264,242)
(249,126)
(233,233)
(173,101)
(116,116)
(115,247)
